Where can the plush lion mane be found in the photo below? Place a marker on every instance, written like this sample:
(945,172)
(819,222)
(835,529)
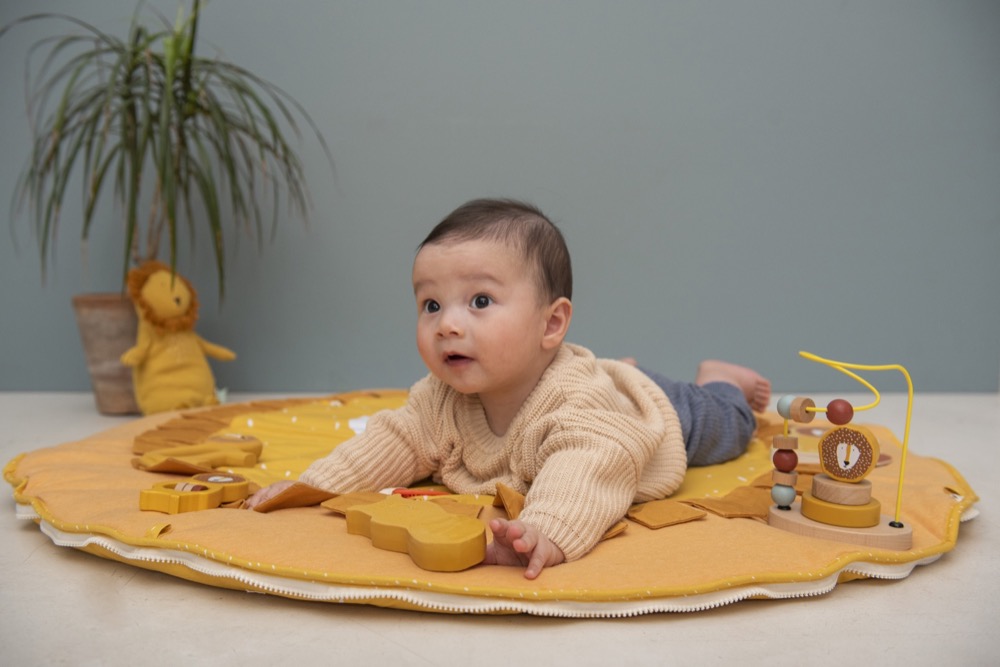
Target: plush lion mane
(137,278)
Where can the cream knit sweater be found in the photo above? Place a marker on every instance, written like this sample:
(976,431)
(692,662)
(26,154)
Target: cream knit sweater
(592,438)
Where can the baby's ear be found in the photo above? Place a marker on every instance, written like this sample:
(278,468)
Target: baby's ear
(559,313)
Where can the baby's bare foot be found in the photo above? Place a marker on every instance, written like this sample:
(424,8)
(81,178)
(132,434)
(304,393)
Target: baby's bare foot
(756,388)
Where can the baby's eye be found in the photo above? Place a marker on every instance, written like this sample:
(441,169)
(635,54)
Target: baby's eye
(431,306)
(481,301)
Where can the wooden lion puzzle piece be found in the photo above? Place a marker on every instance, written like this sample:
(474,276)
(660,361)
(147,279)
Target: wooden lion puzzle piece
(435,539)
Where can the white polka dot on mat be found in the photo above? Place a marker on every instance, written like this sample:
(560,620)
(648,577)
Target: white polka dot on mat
(358,424)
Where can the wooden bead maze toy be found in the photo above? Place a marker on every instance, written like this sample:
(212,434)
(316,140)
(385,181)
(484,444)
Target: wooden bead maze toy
(839,505)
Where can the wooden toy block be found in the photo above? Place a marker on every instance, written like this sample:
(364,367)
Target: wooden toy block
(434,538)
(462,504)
(848,516)
(799,410)
(201,492)
(785,478)
(785,442)
(841,493)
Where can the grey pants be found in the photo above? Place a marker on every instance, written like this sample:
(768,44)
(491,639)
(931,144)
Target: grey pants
(715,418)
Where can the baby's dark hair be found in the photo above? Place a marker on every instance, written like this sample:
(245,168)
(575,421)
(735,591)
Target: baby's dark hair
(518,225)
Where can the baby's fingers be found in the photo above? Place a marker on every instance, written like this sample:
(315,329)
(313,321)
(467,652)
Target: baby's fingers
(535,565)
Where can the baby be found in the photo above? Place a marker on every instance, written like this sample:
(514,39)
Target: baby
(508,401)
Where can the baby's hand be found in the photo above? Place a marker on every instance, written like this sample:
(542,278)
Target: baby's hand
(518,543)
(267,493)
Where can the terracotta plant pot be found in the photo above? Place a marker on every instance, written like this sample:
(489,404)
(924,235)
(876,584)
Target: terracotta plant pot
(108,324)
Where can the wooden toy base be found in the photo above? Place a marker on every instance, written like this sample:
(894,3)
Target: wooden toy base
(882,536)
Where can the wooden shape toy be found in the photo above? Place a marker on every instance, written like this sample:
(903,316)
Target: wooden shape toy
(836,514)
(848,453)
(201,492)
(840,505)
(434,538)
(842,493)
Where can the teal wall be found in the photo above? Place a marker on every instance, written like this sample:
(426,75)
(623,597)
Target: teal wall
(735,179)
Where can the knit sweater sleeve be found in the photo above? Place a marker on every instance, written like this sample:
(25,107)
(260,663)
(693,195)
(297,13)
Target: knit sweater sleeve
(392,451)
(598,452)
(587,483)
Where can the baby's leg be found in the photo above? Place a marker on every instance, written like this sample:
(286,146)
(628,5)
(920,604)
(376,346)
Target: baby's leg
(716,418)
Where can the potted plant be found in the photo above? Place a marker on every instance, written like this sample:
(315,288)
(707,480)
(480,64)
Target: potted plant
(173,135)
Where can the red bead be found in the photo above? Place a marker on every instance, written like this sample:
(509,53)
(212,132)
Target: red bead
(785,460)
(839,412)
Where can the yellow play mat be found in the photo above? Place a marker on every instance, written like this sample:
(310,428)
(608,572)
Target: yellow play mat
(85,494)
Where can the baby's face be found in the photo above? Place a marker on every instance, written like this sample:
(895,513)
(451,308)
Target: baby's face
(480,319)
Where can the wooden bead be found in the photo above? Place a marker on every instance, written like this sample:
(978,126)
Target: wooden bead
(839,412)
(783,496)
(784,406)
(784,478)
(785,460)
(785,442)
(799,412)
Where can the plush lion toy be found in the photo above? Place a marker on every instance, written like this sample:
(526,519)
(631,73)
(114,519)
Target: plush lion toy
(169,368)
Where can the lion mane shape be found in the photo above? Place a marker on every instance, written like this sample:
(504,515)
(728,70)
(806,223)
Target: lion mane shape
(137,279)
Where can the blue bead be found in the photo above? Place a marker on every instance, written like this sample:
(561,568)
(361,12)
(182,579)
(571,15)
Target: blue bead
(782,495)
(785,406)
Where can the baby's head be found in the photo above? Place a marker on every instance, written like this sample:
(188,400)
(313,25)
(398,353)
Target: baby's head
(492,284)
(520,227)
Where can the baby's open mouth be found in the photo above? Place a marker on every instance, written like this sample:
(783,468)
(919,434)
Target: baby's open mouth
(454,358)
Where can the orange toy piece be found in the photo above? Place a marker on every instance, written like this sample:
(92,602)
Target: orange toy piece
(435,539)
(201,492)
(239,451)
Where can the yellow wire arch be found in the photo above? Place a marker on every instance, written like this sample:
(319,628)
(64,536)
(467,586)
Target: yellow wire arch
(842,366)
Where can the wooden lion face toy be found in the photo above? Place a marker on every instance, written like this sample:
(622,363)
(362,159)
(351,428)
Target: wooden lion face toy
(169,360)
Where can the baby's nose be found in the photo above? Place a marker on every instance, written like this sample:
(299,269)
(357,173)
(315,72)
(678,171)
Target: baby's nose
(450,324)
